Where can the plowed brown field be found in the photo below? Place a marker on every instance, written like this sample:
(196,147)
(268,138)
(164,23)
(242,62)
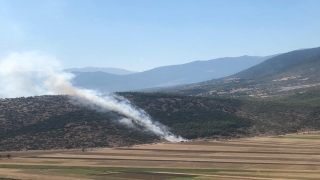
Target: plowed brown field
(283,157)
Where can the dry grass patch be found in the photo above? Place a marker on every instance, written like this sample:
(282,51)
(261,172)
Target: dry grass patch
(293,156)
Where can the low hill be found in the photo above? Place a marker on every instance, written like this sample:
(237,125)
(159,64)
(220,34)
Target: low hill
(51,122)
(195,117)
(196,71)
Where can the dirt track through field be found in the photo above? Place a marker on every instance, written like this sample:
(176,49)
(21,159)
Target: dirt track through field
(287,157)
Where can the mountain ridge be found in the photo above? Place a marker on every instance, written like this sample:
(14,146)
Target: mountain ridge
(276,63)
(110,70)
(286,73)
(192,72)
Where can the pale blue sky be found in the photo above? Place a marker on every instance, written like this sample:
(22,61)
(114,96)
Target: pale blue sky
(142,34)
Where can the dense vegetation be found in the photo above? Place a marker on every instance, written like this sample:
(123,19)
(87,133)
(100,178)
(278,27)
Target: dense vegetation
(195,117)
(48,122)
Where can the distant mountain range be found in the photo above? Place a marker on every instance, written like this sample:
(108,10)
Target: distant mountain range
(193,72)
(288,73)
(109,70)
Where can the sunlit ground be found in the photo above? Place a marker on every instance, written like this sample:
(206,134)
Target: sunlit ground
(295,156)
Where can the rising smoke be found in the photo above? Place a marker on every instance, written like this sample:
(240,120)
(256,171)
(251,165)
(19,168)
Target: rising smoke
(35,73)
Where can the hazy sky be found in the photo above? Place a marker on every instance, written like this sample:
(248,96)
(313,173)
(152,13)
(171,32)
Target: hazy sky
(142,34)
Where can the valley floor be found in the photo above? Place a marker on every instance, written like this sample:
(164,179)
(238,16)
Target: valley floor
(295,156)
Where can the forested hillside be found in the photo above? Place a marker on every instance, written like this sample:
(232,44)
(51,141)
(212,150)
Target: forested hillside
(51,122)
(194,117)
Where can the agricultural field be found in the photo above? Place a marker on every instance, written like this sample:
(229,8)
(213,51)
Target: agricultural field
(294,156)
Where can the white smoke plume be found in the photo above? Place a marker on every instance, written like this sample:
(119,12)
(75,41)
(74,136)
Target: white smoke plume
(127,122)
(35,73)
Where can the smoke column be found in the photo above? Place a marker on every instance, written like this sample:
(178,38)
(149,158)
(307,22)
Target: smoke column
(35,73)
